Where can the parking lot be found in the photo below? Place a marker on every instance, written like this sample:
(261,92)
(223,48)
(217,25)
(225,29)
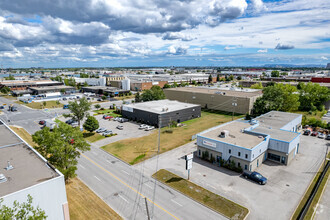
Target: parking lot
(130,130)
(280,196)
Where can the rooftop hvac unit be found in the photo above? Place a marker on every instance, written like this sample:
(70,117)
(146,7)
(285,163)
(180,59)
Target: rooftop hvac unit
(2,178)
(224,133)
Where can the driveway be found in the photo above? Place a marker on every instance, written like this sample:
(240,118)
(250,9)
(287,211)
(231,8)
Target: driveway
(276,200)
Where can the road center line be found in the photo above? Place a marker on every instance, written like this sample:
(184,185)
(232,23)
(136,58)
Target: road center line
(97,178)
(123,198)
(124,183)
(176,202)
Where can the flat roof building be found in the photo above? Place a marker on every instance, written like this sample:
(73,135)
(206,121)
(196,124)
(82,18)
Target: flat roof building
(113,91)
(164,110)
(27,172)
(248,144)
(25,84)
(216,99)
(51,89)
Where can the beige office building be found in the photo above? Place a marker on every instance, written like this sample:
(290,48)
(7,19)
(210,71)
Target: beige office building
(239,101)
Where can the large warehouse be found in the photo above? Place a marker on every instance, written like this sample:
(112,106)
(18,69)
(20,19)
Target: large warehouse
(271,136)
(239,101)
(24,172)
(165,110)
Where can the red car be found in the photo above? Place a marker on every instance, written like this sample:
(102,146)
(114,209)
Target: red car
(42,122)
(314,133)
(107,117)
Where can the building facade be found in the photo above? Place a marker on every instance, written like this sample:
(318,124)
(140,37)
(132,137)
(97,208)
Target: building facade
(272,136)
(162,112)
(223,100)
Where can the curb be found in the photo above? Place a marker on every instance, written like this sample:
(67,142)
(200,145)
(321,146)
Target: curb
(198,201)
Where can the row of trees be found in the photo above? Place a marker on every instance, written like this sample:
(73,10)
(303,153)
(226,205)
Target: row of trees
(280,97)
(155,93)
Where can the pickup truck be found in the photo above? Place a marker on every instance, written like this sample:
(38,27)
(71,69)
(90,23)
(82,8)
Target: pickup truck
(255,176)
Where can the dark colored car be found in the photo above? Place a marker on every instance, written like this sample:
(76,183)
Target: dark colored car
(12,109)
(99,100)
(307,132)
(255,176)
(2,107)
(314,133)
(65,99)
(65,106)
(328,137)
(42,122)
(70,121)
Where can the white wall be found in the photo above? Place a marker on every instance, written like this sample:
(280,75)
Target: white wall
(292,125)
(49,195)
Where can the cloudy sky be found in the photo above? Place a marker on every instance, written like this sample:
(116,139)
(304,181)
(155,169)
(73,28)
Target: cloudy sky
(97,33)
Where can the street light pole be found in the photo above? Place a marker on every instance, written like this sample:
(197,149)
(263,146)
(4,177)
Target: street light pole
(234,103)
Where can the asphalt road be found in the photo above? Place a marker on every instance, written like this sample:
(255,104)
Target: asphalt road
(124,188)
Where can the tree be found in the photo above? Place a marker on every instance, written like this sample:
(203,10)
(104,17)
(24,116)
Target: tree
(257,86)
(279,97)
(137,97)
(231,77)
(61,147)
(91,124)
(85,84)
(103,97)
(22,211)
(166,86)
(106,94)
(155,93)
(239,78)
(218,77)
(270,84)
(5,90)
(312,95)
(10,77)
(79,109)
(97,106)
(62,90)
(275,73)
(210,79)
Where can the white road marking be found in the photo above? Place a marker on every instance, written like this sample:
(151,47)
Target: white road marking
(108,161)
(82,166)
(94,152)
(123,198)
(176,202)
(148,186)
(125,172)
(97,178)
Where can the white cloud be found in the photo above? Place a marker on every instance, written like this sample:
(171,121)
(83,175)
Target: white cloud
(324,58)
(262,51)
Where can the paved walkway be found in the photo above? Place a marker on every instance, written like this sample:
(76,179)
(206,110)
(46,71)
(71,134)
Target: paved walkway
(323,208)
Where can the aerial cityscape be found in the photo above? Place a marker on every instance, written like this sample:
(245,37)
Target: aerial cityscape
(214,109)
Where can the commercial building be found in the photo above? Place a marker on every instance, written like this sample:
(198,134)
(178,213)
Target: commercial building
(166,111)
(51,89)
(143,85)
(239,101)
(25,172)
(25,84)
(112,91)
(101,81)
(272,136)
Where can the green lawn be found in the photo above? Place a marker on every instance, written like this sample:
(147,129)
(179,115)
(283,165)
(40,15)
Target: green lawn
(93,137)
(135,150)
(107,112)
(218,203)
(40,105)
(7,96)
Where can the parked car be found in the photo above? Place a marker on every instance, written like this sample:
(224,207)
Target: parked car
(2,107)
(88,98)
(65,106)
(122,120)
(70,121)
(321,135)
(100,130)
(314,133)
(74,124)
(149,128)
(328,137)
(65,99)
(255,176)
(307,132)
(99,100)
(42,122)
(78,97)
(107,117)
(116,119)
(120,127)
(143,126)
(107,132)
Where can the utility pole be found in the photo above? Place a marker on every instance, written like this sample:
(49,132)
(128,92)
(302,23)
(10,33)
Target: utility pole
(234,104)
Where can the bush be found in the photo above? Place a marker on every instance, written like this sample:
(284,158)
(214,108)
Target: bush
(168,131)
(101,108)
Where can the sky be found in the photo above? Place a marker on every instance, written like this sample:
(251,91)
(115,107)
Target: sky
(133,33)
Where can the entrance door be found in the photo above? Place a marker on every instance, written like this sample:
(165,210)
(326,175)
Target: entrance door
(297,148)
(283,160)
(257,162)
(219,160)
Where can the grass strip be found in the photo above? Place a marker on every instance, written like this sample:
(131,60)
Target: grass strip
(93,136)
(218,203)
(41,105)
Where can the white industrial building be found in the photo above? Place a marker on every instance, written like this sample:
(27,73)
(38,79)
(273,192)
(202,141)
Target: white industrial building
(92,81)
(248,144)
(25,172)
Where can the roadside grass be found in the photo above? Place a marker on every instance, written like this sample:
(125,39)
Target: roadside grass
(130,150)
(110,112)
(85,204)
(308,194)
(40,105)
(316,114)
(7,96)
(218,203)
(92,136)
(125,97)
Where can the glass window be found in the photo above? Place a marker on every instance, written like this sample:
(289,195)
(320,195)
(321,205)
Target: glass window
(230,151)
(274,157)
(239,154)
(245,167)
(246,156)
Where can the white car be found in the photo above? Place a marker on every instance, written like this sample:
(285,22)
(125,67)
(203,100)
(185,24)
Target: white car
(149,128)
(143,126)
(120,127)
(100,130)
(107,132)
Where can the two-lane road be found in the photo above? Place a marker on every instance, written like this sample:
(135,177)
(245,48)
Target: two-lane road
(124,189)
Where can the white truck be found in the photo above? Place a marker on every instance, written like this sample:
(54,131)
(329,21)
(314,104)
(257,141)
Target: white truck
(50,124)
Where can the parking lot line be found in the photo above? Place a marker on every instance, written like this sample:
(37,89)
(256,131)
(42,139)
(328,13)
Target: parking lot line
(176,202)
(97,178)
(123,198)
